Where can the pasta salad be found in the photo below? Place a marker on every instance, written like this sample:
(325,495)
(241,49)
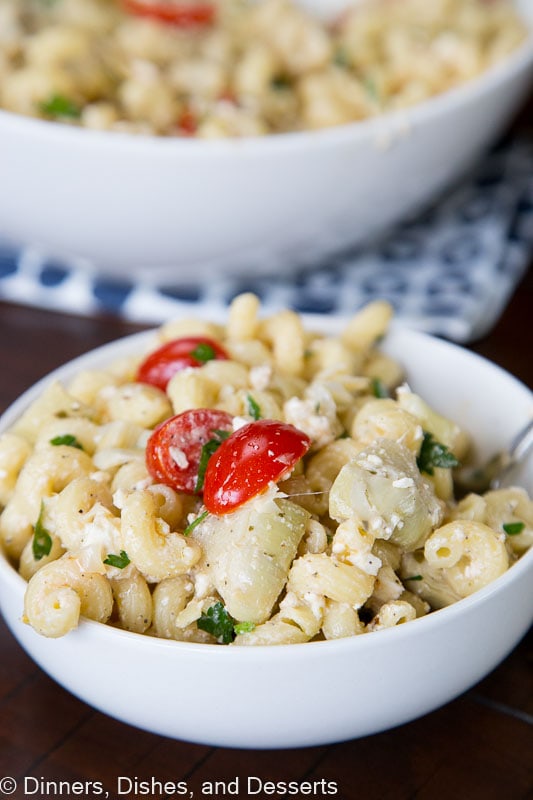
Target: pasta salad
(247,483)
(233,68)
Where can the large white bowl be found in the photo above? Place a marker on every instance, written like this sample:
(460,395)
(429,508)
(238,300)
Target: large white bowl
(306,694)
(173,209)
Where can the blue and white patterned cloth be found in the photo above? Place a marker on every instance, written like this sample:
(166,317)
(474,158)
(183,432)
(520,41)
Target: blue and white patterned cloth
(449,271)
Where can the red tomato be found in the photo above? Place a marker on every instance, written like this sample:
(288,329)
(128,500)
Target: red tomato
(193,351)
(187,123)
(183,14)
(174,450)
(247,461)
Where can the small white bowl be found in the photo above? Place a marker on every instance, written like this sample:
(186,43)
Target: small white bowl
(173,210)
(315,693)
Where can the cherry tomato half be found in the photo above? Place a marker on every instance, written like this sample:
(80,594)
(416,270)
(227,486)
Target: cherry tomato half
(177,447)
(187,123)
(248,460)
(192,351)
(182,14)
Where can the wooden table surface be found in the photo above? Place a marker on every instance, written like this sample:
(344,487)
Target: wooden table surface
(478,746)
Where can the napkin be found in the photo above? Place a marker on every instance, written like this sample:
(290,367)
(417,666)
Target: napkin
(448,271)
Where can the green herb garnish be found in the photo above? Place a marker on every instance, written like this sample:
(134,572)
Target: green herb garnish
(42,541)
(434,454)
(208,449)
(243,627)
(378,388)
(203,352)
(371,88)
(67,439)
(120,561)
(513,528)
(280,83)
(192,525)
(414,578)
(218,623)
(340,58)
(254,409)
(59,106)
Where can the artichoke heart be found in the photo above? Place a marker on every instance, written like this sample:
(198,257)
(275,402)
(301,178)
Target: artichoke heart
(249,553)
(382,487)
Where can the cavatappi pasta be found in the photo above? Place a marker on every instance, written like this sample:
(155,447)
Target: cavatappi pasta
(362,532)
(247,68)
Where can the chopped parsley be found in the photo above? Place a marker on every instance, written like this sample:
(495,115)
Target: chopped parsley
(378,388)
(513,528)
(192,525)
(120,561)
(59,106)
(340,58)
(67,439)
(280,83)
(371,88)
(208,449)
(254,409)
(203,352)
(414,578)
(243,627)
(218,623)
(434,454)
(42,541)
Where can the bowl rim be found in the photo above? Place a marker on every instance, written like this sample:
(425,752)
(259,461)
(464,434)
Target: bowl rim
(372,129)
(432,621)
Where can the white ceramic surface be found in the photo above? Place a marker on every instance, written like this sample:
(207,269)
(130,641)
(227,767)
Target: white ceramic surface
(308,694)
(171,209)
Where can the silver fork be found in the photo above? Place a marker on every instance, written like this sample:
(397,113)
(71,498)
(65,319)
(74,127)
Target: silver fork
(492,473)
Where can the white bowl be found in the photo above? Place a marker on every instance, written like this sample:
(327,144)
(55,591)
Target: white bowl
(314,693)
(174,210)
